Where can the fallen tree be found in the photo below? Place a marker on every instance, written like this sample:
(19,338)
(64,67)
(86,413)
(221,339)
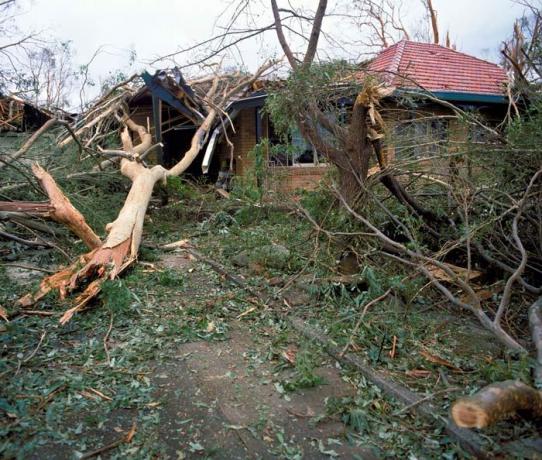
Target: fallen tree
(120,248)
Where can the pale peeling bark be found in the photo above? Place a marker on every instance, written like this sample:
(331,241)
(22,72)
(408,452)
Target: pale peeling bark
(121,246)
(58,209)
(63,211)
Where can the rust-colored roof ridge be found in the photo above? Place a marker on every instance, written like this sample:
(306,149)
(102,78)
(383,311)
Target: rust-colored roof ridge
(445,48)
(435,67)
(397,58)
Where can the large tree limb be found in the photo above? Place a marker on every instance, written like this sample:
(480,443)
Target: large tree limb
(507,293)
(30,142)
(120,248)
(433,18)
(315,33)
(63,211)
(26,207)
(26,146)
(58,209)
(281,37)
(423,263)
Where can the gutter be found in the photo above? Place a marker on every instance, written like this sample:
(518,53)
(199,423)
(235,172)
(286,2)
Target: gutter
(458,96)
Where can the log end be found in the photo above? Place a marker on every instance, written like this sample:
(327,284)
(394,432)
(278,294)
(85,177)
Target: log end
(468,415)
(496,402)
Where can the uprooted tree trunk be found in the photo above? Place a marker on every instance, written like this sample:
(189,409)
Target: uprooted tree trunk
(120,249)
(121,246)
(497,402)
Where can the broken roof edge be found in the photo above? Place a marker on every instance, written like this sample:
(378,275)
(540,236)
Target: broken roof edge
(33,105)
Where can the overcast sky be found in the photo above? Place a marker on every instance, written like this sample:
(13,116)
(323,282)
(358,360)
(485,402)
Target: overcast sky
(156,27)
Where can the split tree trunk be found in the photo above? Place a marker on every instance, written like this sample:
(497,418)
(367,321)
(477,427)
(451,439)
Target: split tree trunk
(63,211)
(496,402)
(120,249)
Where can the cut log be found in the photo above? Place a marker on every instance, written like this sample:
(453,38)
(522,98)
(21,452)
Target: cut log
(497,402)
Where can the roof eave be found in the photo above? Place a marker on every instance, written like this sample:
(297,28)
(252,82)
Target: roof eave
(459,96)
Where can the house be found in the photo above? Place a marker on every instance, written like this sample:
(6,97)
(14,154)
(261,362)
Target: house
(432,73)
(169,107)
(421,72)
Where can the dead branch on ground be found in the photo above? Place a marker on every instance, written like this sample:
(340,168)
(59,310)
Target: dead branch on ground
(535,323)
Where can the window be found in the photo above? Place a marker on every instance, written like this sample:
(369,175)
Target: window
(296,151)
(420,138)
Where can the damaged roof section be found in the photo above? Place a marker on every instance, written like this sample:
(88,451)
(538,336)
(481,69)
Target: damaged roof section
(19,115)
(168,104)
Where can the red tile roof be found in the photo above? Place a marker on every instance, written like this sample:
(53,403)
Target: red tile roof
(437,68)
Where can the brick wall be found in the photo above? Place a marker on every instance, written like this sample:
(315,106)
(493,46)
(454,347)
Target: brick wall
(287,179)
(278,179)
(244,140)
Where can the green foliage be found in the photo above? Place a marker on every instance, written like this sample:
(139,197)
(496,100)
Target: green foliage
(304,375)
(509,368)
(219,220)
(310,87)
(525,134)
(180,189)
(323,207)
(116,296)
(170,278)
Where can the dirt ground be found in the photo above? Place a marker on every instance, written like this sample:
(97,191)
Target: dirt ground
(221,399)
(217,397)
(199,377)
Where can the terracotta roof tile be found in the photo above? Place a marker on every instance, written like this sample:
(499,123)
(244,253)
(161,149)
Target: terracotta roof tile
(437,68)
